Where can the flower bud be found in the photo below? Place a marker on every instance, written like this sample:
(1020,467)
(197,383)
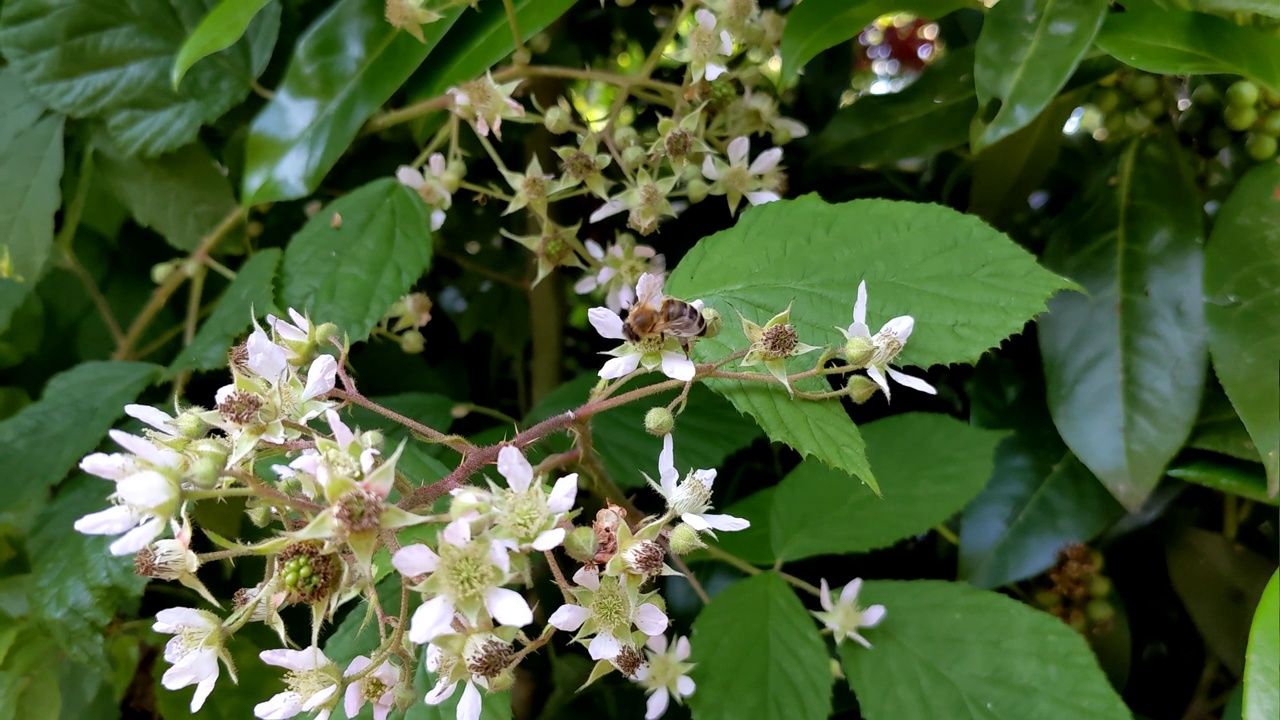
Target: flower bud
(261,515)
(468,501)
(659,421)
(684,539)
(453,174)
(556,120)
(412,342)
(697,190)
(581,544)
(539,43)
(781,135)
(189,425)
(325,331)
(861,388)
(160,271)
(626,136)
(204,472)
(633,156)
(859,351)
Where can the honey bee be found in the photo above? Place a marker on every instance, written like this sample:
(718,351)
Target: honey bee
(654,315)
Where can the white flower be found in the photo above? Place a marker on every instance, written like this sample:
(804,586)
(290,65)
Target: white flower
(431,186)
(706,48)
(606,611)
(620,267)
(452,670)
(527,514)
(690,500)
(194,651)
(756,181)
(312,684)
(843,618)
(654,351)
(146,496)
(465,577)
(665,675)
(485,103)
(875,353)
(377,687)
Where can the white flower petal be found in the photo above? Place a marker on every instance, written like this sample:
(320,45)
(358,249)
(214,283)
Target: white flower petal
(849,595)
(410,177)
(685,685)
(154,417)
(172,620)
(321,377)
(548,539)
(594,250)
(586,284)
(568,617)
(280,707)
(470,705)
(705,19)
(341,433)
(437,219)
(609,209)
(678,367)
(657,643)
(604,647)
(696,522)
(441,692)
(914,383)
(508,607)
(203,689)
(513,466)
(656,705)
(319,698)
(146,449)
(606,322)
(432,619)
(714,70)
(650,620)
(872,616)
(266,359)
(563,494)
(620,366)
(726,43)
(588,577)
(875,374)
(649,289)
(113,466)
(191,668)
(499,553)
(824,594)
(667,466)
(682,649)
(728,523)
(900,327)
(112,521)
(137,538)
(309,658)
(457,533)
(860,306)
(416,559)
(738,150)
(766,161)
(760,197)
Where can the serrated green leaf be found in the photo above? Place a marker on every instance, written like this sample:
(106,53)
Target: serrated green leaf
(1027,51)
(351,274)
(821,511)
(250,292)
(219,30)
(1241,285)
(76,587)
(972,655)
(1121,405)
(182,194)
(930,115)
(708,431)
(1261,684)
(47,438)
(815,25)
(759,655)
(345,66)
(754,544)
(1247,482)
(1188,43)
(1040,497)
(57,47)
(479,41)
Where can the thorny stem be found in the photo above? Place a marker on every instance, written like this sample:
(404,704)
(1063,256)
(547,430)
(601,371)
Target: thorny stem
(683,567)
(525,651)
(558,574)
(457,444)
(748,568)
(162,293)
(261,489)
(390,646)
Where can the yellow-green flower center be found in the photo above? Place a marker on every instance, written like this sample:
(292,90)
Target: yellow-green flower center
(466,571)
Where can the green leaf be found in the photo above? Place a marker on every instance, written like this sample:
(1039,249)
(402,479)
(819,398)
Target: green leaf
(930,115)
(1261,684)
(815,25)
(1219,583)
(182,194)
(1027,51)
(351,274)
(1219,429)
(1007,172)
(755,544)
(478,41)
(758,655)
(345,66)
(48,437)
(59,48)
(219,30)
(1240,287)
(1228,478)
(1269,8)
(1188,43)
(1121,405)
(707,432)
(249,293)
(820,511)
(76,587)
(29,678)
(258,682)
(1040,498)
(30,172)
(967,654)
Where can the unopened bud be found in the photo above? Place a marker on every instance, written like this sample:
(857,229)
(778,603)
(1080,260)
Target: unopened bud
(659,421)
(1100,586)
(837,672)
(581,544)
(453,174)
(556,120)
(859,351)
(539,43)
(861,388)
(372,439)
(714,321)
(468,501)
(190,426)
(1100,611)
(160,271)
(204,472)
(633,156)
(781,135)
(261,515)
(684,540)
(625,136)
(522,56)
(325,331)
(412,342)
(697,190)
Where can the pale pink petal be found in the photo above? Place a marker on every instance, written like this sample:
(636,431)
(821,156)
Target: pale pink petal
(319,698)
(824,595)
(594,250)
(137,538)
(609,209)
(709,170)
(849,594)
(726,43)
(604,647)
(656,705)
(606,322)
(739,148)
(620,366)
(588,577)
(678,367)
(685,685)
(457,533)
(714,70)
(508,607)
(766,161)
(682,649)
(586,284)
(914,383)
(431,619)
(280,707)
(112,521)
(172,620)
(563,494)
(705,19)
(145,449)
(410,177)
(513,466)
(341,433)
(872,616)
(657,643)
(651,620)
(568,617)
(470,705)
(416,559)
(353,699)
(548,539)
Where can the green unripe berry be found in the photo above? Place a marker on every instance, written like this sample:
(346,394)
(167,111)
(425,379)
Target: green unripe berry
(1270,97)
(1153,108)
(1205,95)
(1270,123)
(556,120)
(1142,87)
(412,342)
(1260,147)
(1047,599)
(1239,118)
(1099,611)
(1242,94)
(659,421)
(1107,100)
(1100,586)
(539,43)
(697,190)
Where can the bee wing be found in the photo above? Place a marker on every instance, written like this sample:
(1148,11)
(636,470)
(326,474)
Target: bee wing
(649,290)
(685,326)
